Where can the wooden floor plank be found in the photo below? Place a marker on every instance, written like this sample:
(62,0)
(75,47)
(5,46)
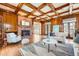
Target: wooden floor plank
(11,50)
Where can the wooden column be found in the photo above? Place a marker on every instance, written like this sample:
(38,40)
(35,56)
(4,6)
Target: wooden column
(42,28)
(1,32)
(61,27)
(51,27)
(77,22)
(52,23)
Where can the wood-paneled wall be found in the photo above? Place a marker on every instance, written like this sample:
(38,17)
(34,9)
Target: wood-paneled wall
(42,28)
(57,21)
(77,22)
(12,19)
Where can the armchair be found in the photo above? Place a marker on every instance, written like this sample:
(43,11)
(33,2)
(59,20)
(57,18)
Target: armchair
(13,38)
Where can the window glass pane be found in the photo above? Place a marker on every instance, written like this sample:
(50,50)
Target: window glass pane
(66,27)
(56,28)
(37,28)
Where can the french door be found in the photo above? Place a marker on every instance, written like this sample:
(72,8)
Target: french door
(47,28)
(69,27)
(37,28)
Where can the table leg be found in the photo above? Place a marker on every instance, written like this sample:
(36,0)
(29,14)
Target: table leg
(44,43)
(48,47)
(55,45)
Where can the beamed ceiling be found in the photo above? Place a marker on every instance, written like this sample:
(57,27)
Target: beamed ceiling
(40,11)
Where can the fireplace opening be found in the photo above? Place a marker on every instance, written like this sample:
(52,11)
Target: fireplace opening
(25,33)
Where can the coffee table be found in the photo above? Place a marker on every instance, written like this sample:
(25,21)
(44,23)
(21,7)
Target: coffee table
(50,41)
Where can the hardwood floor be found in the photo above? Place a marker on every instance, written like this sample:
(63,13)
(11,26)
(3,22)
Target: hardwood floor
(11,50)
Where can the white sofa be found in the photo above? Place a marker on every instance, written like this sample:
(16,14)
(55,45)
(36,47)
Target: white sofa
(60,36)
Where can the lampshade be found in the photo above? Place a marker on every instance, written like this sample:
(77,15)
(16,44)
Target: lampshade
(7,26)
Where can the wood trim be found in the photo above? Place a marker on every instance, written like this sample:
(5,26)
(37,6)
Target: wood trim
(18,7)
(53,8)
(42,5)
(13,7)
(58,8)
(8,5)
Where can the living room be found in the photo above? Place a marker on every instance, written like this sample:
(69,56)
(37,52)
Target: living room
(39,29)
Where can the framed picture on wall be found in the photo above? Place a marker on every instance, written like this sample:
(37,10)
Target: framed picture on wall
(25,23)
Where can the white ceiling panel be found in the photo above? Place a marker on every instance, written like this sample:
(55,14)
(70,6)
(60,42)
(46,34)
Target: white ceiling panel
(44,16)
(36,4)
(64,14)
(58,4)
(47,18)
(63,9)
(7,8)
(75,11)
(55,17)
(75,5)
(37,13)
(46,9)
(26,8)
(50,14)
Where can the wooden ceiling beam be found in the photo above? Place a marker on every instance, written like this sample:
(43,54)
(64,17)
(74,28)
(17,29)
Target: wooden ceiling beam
(14,7)
(52,8)
(65,16)
(18,7)
(58,8)
(8,5)
(66,11)
(42,5)
(69,16)
(33,7)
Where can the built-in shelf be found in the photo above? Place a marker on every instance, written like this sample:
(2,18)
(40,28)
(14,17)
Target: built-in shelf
(1,32)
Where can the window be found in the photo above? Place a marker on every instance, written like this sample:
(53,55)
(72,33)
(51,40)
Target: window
(56,28)
(47,27)
(37,28)
(69,26)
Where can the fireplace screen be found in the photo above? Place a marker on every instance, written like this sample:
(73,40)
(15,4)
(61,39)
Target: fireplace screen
(25,33)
